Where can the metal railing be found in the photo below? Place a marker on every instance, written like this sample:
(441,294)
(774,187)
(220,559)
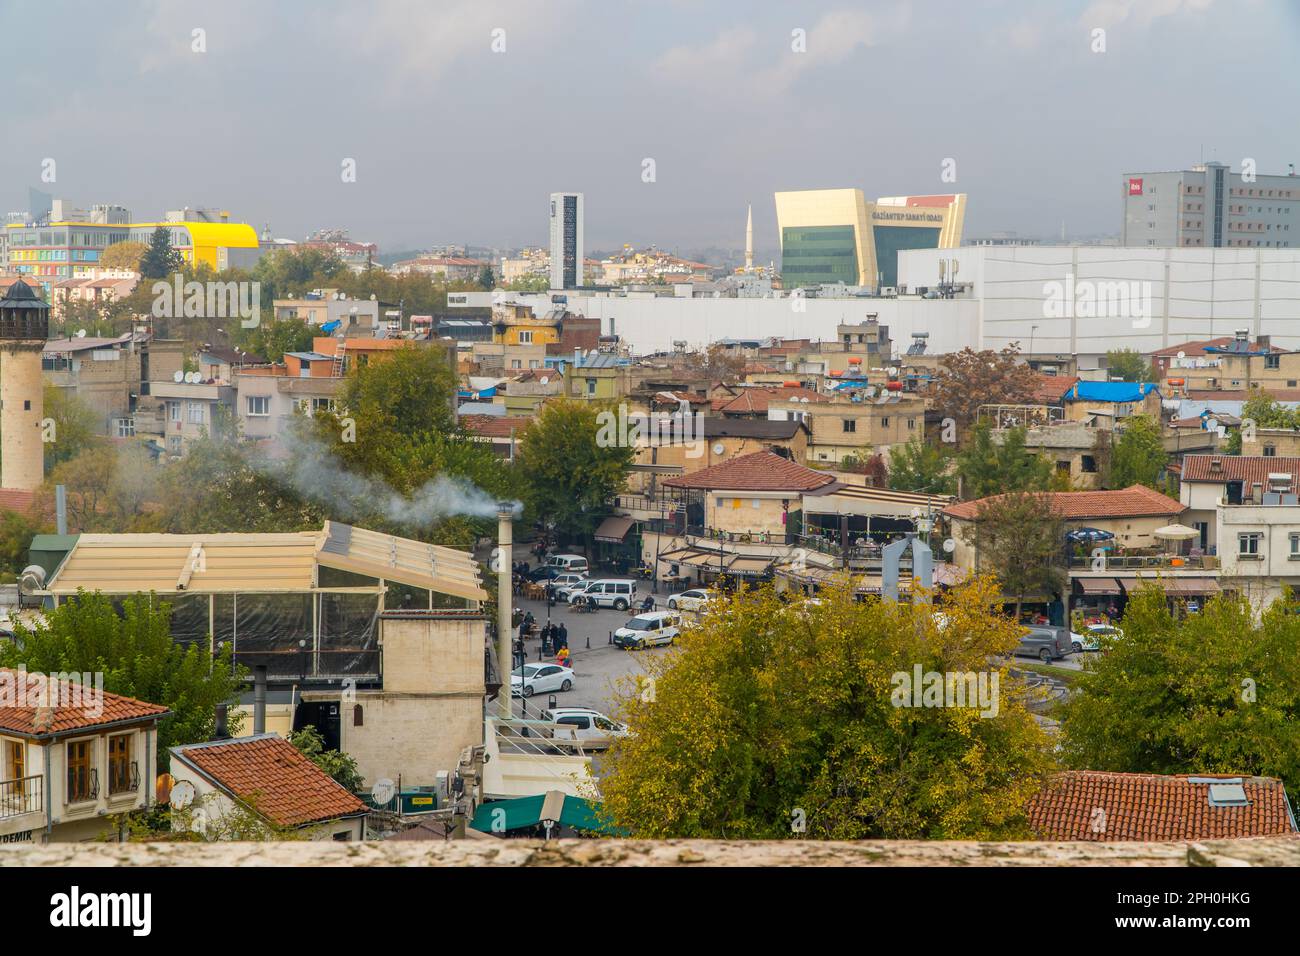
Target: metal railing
(22,795)
(1134,562)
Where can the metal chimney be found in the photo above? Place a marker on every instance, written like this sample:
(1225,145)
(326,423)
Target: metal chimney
(505,602)
(259,699)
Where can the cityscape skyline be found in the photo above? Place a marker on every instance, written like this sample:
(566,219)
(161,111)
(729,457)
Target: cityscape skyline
(466,176)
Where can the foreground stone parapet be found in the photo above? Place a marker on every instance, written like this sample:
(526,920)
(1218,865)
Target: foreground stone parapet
(1267,851)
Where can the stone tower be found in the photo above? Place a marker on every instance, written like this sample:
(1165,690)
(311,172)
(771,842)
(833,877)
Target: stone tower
(24,328)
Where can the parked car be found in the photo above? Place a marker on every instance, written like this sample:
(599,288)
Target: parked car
(566,592)
(565,580)
(1091,638)
(591,727)
(649,630)
(547,572)
(618,593)
(540,677)
(1045,642)
(692,600)
(567,562)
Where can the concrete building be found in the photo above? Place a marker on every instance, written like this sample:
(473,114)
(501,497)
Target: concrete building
(566,241)
(103,373)
(1209,205)
(355,316)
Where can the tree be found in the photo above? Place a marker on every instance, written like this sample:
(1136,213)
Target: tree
(270,340)
(76,426)
(572,464)
(775,721)
(920,466)
(135,652)
(988,467)
(486,279)
(1213,692)
(529,283)
(123,255)
(1128,365)
(968,379)
(16,532)
(1138,455)
(872,467)
(724,364)
(1020,538)
(340,766)
(1267,412)
(160,260)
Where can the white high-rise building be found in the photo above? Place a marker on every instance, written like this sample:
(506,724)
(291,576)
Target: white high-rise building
(566,240)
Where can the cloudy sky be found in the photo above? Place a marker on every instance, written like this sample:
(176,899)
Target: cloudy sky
(456,142)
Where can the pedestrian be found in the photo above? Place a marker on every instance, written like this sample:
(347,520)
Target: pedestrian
(562,657)
(547,633)
(563,633)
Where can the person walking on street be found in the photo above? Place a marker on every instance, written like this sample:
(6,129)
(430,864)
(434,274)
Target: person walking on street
(563,633)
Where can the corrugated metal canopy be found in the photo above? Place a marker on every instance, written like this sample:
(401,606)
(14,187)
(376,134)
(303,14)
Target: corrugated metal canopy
(210,563)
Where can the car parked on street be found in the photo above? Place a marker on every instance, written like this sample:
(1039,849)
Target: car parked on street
(649,630)
(692,600)
(1093,635)
(567,562)
(540,678)
(565,580)
(1045,642)
(591,728)
(618,593)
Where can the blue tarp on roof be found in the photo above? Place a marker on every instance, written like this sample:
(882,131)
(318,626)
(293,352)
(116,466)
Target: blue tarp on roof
(1117,392)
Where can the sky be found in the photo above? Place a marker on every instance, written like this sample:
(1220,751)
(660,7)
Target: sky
(462,116)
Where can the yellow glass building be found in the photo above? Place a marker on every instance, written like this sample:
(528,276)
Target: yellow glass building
(837,235)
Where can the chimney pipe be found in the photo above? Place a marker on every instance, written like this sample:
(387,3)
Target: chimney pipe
(221,732)
(61,508)
(259,699)
(505,603)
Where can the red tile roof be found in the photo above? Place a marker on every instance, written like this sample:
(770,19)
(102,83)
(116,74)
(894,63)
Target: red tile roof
(1131,502)
(14,499)
(85,710)
(754,401)
(1199,348)
(761,471)
(1109,807)
(495,426)
(1246,468)
(1051,389)
(274,777)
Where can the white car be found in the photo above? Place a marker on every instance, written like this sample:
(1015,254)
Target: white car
(569,579)
(591,727)
(649,630)
(566,592)
(1090,640)
(692,600)
(540,677)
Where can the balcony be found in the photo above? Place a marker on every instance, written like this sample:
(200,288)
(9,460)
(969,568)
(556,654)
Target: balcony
(22,804)
(1138,562)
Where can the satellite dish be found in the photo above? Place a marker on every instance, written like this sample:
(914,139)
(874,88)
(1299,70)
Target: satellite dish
(178,376)
(893,370)
(383,791)
(182,795)
(81,333)
(719,448)
(949,545)
(32,579)
(1182,355)
(544,379)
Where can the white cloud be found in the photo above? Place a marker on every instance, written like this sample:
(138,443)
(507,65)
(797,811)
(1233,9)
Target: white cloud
(1111,13)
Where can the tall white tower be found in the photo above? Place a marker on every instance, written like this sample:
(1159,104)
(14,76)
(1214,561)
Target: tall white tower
(566,240)
(749,240)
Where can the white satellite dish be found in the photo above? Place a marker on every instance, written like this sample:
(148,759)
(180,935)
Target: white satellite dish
(893,370)
(719,448)
(178,377)
(382,792)
(544,379)
(1182,355)
(81,333)
(182,795)
(949,545)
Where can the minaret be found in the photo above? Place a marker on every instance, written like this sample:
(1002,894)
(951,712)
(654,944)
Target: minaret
(749,240)
(24,328)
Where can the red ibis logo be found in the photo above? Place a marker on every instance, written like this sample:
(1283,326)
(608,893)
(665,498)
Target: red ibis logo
(1135,187)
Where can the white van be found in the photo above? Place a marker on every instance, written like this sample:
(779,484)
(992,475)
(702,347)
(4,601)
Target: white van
(568,562)
(618,593)
(649,630)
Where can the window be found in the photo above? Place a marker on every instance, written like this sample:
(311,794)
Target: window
(125,427)
(1272,361)
(16,759)
(259,406)
(120,776)
(884,422)
(850,424)
(911,424)
(1088,465)
(194,413)
(174,411)
(82,784)
(1270,451)
(1248,544)
(591,386)
(1295,546)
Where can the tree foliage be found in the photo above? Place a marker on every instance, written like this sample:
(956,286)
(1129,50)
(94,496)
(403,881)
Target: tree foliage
(968,379)
(135,652)
(989,467)
(1128,365)
(1212,692)
(1020,539)
(340,766)
(1138,455)
(776,721)
(160,260)
(77,426)
(123,255)
(921,466)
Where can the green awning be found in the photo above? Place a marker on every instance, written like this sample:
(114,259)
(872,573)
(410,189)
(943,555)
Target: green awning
(522,812)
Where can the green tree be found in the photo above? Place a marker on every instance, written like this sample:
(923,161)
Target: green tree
(1267,412)
(123,255)
(529,283)
(16,532)
(1128,365)
(135,652)
(989,467)
(1213,692)
(486,279)
(573,463)
(1138,456)
(775,721)
(1020,539)
(270,340)
(77,426)
(340,766)
(920,466)
(160,260)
